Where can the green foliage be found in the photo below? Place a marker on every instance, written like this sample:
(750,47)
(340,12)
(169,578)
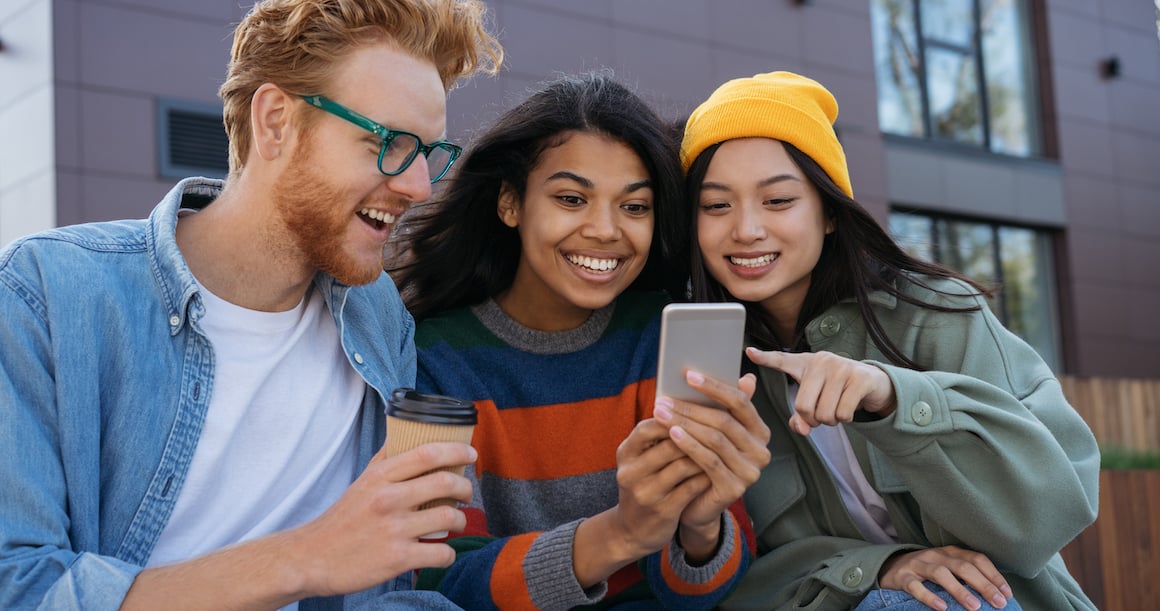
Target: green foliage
(1116,458)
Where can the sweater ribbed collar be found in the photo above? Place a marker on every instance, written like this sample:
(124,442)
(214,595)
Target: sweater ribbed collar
(535,341)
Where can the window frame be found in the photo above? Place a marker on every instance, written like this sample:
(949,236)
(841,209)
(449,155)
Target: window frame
(1053,301)
(1031,45)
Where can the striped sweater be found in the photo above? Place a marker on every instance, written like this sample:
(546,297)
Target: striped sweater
(553,407)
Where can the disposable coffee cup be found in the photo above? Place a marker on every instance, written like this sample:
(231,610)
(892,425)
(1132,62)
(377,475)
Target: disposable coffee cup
(415,418)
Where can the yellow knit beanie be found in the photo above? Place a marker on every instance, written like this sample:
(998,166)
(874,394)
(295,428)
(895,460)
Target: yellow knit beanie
(779,105)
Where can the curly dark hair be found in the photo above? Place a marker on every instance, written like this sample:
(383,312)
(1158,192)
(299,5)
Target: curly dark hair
(456,251)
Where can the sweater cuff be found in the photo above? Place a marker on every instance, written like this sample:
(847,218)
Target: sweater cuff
(700,574)
(551,578)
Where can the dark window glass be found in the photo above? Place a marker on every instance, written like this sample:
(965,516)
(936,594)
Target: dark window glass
(1017,259)
(955,105)
(897,60)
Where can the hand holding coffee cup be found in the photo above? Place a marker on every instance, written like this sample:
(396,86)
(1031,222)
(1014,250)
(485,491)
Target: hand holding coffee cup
(415,418)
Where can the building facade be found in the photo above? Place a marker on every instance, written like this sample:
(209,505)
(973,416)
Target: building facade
(1016,140)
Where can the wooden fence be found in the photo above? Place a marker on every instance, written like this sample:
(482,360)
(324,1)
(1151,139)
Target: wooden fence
(1117,559)
(1122,413)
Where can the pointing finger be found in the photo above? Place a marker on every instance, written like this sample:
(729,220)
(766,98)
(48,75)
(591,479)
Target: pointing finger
(792,364)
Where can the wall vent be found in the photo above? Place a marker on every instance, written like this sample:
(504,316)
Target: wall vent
(191,140)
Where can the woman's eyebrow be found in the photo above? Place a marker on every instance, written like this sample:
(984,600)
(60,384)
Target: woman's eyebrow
(765,182)
(588,184)
(566,175)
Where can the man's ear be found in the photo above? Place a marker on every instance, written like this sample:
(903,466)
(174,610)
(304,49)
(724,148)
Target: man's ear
(508,206)
(271,127)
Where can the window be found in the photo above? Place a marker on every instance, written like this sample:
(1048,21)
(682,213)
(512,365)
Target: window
(1017,259)
(956,71)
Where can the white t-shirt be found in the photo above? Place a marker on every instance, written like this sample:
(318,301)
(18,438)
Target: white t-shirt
(279,442)
(866,506)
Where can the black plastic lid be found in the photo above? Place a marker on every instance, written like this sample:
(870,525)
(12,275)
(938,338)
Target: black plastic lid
(410,404)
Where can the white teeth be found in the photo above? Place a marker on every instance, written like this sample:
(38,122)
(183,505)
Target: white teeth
(378,215)
(598,265)
(754,262)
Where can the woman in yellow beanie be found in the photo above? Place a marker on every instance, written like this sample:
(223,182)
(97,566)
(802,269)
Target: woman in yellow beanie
(923,455)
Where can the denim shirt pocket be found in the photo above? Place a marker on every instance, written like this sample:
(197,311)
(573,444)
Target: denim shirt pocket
(778,488)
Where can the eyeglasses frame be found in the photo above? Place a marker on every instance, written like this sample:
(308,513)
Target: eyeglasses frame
(387,135)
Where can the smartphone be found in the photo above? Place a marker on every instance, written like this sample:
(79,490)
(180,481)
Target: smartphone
(705,337)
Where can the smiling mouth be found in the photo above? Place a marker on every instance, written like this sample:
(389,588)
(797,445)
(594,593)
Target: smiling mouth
(376,218)
(593,264)
(765,259)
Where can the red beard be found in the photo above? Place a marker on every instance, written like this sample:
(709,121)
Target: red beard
(313,211)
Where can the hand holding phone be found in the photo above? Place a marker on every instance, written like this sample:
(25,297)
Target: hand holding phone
(705,337)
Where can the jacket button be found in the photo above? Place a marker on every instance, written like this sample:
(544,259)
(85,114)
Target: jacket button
(358,358)
(853,577)
(922,413)
(830,326)
(174,321)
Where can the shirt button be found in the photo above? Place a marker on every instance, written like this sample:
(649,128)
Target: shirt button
(358,358)
(853,577)
(830,326)
(174,321)
(922,414)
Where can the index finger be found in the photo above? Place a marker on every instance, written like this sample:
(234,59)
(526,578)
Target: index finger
(426,458)
(792,363)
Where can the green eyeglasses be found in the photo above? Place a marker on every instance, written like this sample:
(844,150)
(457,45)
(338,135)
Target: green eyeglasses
(399,148)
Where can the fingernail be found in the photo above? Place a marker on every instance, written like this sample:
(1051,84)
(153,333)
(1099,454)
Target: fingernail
(998,601)
(677,432)
(801,428)
(662,408)
(474,454)
(694,377)
(973,603)
(1006,590)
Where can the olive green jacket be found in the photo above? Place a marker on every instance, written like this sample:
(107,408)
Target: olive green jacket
(983,452)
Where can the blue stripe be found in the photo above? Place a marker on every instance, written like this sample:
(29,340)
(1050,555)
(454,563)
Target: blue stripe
(513,378)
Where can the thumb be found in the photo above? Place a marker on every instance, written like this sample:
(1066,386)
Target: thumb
(748,384)
(799,425)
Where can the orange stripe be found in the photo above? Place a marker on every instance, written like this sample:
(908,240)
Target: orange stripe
(726,573)
(508,583)
(741,516)
(646,396)
(562,439)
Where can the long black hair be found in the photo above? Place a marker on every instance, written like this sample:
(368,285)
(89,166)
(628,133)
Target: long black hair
(857,258)
(456,251)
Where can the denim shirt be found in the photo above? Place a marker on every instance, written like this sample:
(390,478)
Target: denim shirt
(104,383)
